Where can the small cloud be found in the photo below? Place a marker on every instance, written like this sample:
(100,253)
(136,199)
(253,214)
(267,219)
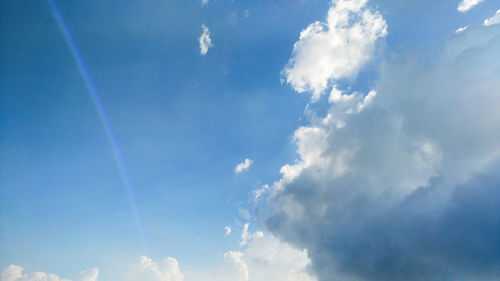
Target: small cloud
(466,5)
(247,237)
(243,166)
(205,40)
(493,20)
(228,230)
(461,29)
(204,2)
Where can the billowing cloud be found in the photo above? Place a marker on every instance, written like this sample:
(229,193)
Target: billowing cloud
(15,273)
(148,270)
(335,49)
(401,183)
(243,166)
(495,19)
(205,40)
(268,258)
(466,5)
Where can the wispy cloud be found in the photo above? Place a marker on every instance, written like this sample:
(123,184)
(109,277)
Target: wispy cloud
(205,40)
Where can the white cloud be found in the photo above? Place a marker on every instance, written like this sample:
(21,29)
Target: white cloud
(148,270)
(204,2)
(15,273)
(466,5)
(378,170)
(495,19)
(235,258)
(205,40)
(335,49)
(227,230)
(247,237)
(461,29)
(243,166)
(267,258)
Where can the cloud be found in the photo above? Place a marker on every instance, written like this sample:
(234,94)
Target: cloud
(466,5)
(335,49)
(148,270)
(205,40)
(247,237)
(243,166)
(401,183)
(204,2)
(268,258)
(15,273)
(227,230)
(493,20)
(461,29)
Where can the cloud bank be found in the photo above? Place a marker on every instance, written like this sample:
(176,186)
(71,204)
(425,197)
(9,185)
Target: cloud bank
(15,273)
(402,182)
(205,41)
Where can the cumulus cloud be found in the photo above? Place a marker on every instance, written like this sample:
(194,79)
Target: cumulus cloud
(400,183)
(148,270)
(466,5)
(335,49)
(205,40)
(494,19)
(243,166)
(268,258)
(15,273)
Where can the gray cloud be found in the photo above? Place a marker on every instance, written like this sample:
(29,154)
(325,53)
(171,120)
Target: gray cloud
(405,186)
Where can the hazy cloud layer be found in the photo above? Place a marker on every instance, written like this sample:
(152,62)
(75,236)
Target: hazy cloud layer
(401,183)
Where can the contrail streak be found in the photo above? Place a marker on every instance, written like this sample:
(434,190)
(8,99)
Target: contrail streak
(96,100)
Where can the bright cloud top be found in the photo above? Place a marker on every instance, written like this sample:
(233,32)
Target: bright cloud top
(205,40)
(148,270)
(15,273)
(466,5)
(243,166)
(382,179)
(493,20)
(335,49)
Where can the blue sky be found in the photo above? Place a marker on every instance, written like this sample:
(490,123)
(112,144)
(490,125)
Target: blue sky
(183,121)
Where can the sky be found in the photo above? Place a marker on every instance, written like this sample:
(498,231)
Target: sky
(286,140)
